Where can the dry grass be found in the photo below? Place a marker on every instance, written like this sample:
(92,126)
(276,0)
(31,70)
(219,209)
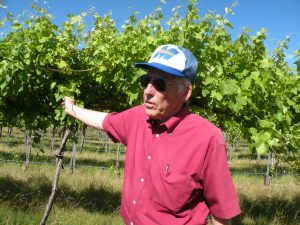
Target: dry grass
(268,205)
(89,196)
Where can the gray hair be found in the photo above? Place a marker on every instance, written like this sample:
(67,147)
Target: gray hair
(181,83)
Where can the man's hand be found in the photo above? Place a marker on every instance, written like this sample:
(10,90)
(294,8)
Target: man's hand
(68,105)
(219,221)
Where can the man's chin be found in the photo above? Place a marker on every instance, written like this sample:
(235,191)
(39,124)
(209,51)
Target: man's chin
(151,114)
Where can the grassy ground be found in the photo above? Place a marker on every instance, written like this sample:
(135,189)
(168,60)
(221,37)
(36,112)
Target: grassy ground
(277,204)
(92,195)
(89,196)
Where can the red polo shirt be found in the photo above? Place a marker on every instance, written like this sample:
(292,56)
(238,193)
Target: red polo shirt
(175,172)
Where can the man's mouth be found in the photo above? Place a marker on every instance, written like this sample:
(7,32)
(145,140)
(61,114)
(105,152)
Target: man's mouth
(148,104)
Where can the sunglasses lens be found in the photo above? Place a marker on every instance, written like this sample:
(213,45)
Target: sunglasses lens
(158,83)
(145,80)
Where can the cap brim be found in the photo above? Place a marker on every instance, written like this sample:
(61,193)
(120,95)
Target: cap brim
(161,67)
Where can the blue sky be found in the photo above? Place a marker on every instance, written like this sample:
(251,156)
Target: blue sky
(279,17)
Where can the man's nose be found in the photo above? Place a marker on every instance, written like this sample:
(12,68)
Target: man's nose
(150,89)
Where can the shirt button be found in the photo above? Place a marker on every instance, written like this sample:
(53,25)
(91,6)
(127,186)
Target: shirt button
(142,180)
(157,135)
(149,157)
(131,223)
(134,202)
(169,134)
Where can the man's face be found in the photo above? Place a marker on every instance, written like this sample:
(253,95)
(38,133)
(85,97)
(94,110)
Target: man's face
(161,105)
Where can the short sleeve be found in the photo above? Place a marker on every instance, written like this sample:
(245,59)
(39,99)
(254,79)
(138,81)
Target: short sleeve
(218,188)
(118,125)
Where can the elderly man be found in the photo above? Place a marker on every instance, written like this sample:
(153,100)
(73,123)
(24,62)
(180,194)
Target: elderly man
(176,168)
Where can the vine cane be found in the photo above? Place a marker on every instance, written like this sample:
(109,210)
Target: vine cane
(59,166)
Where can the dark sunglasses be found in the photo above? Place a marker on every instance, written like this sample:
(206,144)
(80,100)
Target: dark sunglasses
(158,83)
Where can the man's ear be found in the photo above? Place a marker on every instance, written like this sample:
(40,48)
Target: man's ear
(187,92)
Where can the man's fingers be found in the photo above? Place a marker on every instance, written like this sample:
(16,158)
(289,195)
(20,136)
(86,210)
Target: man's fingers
(63,102)
(67,104)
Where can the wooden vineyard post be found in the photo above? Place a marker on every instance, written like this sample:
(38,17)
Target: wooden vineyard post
(73,158)
(9,131)
(118,159)
(52,139)
(270,165)
(27,140)
(83,137)
(231,152)
(59,166)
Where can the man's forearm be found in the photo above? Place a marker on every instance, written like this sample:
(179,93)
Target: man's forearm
(89,117)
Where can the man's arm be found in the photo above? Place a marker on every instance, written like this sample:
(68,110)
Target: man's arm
(218,221)
(89,117)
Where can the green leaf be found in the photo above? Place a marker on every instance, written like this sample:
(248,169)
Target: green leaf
(16,26)
(228,87)
(205,92)
(15,52)
(132,97)
(262,148)
(62,64)
(280,117)
(253,131)
(80,28)
(39,48)
(266,124)
(216,95)
(102,68)
(43,39)
(241,101)
(99,79)
(151,40)
(246,84)
(53,84)
(274,142)
(28,61)
(266,63)
(255,76)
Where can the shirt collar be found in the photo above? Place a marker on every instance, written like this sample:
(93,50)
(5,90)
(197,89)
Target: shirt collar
(171,123)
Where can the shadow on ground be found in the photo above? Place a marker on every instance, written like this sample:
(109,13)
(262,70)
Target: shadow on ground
(269,210)
(36,191)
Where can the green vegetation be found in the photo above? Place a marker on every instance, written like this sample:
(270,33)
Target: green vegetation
(242,87)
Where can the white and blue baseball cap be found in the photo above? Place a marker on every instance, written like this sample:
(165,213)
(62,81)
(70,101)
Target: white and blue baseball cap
(173,60)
